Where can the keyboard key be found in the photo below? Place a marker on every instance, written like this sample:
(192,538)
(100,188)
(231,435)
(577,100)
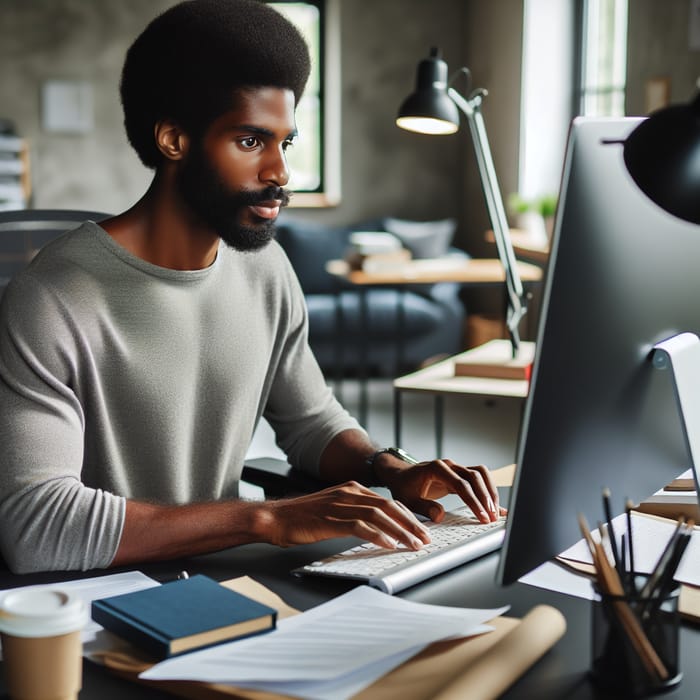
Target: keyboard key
(459,538)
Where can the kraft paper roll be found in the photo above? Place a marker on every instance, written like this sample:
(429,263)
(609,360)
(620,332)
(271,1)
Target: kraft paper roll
(493,672)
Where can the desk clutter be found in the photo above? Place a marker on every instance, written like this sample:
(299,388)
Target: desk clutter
(363,644)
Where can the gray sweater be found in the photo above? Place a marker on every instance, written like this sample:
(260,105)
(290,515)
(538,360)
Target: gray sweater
(120,379)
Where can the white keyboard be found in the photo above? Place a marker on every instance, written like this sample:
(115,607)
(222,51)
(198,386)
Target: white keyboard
(459,538)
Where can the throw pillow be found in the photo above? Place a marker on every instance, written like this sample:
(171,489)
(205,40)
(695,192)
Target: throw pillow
(309,246)
(425,239)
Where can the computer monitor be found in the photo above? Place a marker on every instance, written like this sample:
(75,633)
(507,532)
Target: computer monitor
(623,275)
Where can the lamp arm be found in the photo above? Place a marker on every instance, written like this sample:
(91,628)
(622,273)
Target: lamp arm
(517,301)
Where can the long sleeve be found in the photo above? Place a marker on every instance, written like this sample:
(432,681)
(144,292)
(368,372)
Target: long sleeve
(123,380)
(49,518)
(301,408)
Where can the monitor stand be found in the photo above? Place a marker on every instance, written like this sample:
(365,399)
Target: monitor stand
(681,353)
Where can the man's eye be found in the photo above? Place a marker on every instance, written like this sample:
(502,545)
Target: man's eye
(249,142)
(287,144)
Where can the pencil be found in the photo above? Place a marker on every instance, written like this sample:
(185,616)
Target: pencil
(609,584)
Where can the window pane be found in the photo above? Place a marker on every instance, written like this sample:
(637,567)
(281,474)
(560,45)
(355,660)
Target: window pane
(305,156)
(605,58)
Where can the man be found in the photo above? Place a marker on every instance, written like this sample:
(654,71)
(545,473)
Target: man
(137,357)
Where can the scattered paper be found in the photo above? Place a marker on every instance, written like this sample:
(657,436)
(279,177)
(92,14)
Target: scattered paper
(90,589)
(331,651)
(649,534)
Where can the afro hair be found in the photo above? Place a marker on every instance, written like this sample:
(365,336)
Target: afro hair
(189,61)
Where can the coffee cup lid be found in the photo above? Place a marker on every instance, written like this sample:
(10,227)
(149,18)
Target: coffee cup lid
(41,612)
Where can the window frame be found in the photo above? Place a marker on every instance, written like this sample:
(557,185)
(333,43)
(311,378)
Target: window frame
(328,193)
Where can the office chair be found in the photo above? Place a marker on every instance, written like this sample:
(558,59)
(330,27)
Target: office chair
(24,231)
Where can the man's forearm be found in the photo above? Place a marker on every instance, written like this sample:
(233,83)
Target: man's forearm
(154,532)
(345,458)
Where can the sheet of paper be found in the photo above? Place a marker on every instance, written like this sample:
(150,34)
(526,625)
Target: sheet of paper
(649,536)
(90,589)
(552,577)
(348,685)
(339,643)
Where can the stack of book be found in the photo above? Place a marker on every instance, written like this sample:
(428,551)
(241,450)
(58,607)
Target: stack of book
(495,360)
(376,251)
(677,499)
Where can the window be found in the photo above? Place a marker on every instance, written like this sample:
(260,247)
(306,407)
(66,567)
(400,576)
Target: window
(314,160)
(603,57)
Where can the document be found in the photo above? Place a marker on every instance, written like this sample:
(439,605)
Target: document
(649,535)
(90,589)
(331,651)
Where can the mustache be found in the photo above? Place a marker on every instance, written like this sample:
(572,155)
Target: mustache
(252,197)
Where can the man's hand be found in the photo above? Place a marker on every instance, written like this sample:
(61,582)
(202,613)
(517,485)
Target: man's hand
(348,509)
(417,486)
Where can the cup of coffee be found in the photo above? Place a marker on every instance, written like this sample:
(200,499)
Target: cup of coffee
(40,629)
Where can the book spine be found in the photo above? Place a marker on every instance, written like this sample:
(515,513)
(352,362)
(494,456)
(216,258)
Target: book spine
(131,631)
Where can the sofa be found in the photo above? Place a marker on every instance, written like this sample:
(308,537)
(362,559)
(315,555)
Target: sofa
(344,343)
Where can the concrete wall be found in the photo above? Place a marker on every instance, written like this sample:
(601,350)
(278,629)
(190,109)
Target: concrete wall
(658,47)
(384,170)
(83,40)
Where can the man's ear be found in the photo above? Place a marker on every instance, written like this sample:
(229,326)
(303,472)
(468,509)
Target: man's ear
(171,140)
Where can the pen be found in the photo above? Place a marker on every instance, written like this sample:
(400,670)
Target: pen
(611,531)
(663,561)
(630,543)
(664,585)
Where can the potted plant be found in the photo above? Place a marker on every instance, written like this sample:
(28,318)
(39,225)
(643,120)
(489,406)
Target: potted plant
(534,216)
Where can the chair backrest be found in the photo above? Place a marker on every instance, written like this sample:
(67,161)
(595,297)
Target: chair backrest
(24,231)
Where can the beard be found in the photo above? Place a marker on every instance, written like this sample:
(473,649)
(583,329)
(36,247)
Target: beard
(219,207)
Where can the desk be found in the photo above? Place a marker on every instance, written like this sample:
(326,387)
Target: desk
(560,674)
(440,380)
(467,272)
(470,271)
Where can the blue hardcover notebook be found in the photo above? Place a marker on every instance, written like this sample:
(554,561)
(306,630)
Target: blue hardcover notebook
(182,616)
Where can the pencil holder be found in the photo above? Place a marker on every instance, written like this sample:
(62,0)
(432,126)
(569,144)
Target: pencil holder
(635,642)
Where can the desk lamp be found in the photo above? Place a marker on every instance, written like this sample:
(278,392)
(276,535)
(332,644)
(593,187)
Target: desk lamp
(433,109)
(662,155)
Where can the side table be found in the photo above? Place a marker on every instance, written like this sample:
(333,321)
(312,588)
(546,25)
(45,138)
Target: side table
(468,272)
(440,380)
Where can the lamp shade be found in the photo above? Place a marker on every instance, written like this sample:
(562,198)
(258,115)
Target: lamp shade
(663,157)
(429,110)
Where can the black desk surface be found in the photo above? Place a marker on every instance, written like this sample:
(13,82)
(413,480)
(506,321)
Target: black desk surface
(561,673)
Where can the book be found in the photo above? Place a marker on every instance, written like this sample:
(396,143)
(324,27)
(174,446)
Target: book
(677,499)
(495,360)
(182,616)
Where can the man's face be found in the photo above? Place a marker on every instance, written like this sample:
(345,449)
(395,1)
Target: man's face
(233,178)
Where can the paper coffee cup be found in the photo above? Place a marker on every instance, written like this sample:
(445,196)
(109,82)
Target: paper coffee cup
(40,630)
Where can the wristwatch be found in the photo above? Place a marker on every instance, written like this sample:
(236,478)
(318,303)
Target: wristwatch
(396,451)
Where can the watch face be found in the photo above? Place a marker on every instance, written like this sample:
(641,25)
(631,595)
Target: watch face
(402,454)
